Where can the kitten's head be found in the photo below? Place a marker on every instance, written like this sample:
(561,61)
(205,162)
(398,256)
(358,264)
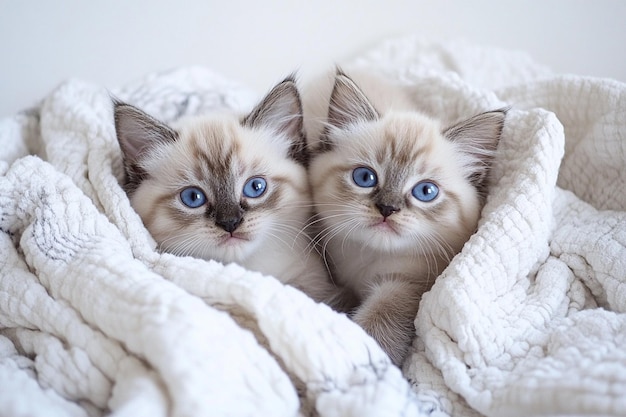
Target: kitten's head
(398,181)
(218,187)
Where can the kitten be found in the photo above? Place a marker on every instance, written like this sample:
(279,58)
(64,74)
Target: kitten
(396,196)
(227,188)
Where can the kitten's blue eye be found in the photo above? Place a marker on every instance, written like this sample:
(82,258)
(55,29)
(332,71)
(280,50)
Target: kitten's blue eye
(364,177)
(255,187)
(192,197)
(425,191)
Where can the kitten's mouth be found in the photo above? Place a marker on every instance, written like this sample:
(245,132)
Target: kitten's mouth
(385,225)
(234,238)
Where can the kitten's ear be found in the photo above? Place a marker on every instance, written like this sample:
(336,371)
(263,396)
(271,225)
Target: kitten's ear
(348,103)
(478,138)
(281,110)
(137,132)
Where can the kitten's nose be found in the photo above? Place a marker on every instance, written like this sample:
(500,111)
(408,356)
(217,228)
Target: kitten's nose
(230,224)
(386,210)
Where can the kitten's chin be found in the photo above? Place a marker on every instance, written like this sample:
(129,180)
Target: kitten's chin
(385,227)
(386,240)
(233,240)
(234,248)
(226,249)
(380,236)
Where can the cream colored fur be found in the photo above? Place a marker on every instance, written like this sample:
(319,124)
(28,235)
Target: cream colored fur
(218,154)
(390,261)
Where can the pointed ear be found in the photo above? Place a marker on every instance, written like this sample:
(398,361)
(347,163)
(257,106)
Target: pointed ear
(478,138)
(136,133)
(281,111)
(348,104)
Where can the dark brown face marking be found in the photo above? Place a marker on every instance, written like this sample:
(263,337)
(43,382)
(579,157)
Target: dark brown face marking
(270,202)
(433,211)
(134,175)
(404,147)
(325,143)
(399,158)
(227,206)
(215,160)
(228,216)
(387,211)
(390,196)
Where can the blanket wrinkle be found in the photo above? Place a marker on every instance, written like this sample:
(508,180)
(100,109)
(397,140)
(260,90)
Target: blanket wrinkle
(140,313)
(529,319)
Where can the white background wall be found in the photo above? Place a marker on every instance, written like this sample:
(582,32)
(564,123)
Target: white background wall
(43,42)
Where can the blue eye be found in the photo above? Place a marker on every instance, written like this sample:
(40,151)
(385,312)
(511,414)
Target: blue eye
(192,197)
(425,191)
(255,187)
(364,177)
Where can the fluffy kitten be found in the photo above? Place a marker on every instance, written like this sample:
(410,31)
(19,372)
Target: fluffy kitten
(396,195)
(227,188)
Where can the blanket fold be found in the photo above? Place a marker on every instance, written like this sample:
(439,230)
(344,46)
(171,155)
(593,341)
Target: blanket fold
(529,319)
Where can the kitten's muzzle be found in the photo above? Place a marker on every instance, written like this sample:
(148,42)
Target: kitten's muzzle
(229,218)
(386,210)
(230,224)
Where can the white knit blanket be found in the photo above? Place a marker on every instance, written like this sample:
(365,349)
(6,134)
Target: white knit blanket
(530,319)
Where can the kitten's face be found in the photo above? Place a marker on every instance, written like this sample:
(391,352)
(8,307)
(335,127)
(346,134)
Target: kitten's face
(219,191)
(219,188)
(395,182)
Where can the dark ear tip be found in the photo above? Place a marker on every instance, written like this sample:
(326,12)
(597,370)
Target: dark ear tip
(290,79)
(344,79)
(339,71)
(287,95)
(498,112)
(498,115)
(289,85)
(121,108)
(117,102)
(503,111)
